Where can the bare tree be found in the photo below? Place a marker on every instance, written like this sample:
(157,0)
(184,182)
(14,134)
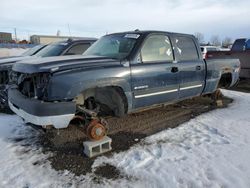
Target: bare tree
(215,40)
(200,37)
(227,42)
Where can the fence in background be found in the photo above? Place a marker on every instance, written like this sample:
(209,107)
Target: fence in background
(9,45)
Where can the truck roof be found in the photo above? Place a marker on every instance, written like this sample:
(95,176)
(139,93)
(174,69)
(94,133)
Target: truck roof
(145,32)
(73,40)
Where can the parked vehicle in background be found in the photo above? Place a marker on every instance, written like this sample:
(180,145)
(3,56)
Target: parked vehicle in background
(63,48)
(29,52)
(34,50)
(121,73)
(205,49)
(224,49)
(68,47)
(239,50)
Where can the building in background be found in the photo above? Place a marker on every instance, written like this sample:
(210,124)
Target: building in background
(5,37)
(46,39)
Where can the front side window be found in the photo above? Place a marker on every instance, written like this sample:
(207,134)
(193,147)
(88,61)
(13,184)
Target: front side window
(185,49)
(117,46)
(156,48)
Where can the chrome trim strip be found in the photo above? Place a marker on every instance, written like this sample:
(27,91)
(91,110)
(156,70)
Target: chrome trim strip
(190,87)
(156,93)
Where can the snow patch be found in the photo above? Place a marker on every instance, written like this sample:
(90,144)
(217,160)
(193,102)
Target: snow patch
(211,150)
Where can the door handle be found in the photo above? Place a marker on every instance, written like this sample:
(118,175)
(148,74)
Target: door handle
(174,69)
(198,68)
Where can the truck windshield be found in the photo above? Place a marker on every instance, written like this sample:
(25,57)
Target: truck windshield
(116,46)
(52,50)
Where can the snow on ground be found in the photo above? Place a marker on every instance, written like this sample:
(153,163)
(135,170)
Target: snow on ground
(11,51)
(17,159)
(211,150)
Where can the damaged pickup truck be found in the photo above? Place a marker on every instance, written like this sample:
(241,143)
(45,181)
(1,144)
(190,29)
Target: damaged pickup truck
(121,73)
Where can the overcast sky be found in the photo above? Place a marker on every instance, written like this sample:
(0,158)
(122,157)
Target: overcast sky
(95,18)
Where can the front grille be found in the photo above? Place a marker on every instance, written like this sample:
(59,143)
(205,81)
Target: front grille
(31,85)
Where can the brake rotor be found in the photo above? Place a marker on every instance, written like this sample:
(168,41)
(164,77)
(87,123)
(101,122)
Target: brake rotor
(95,130)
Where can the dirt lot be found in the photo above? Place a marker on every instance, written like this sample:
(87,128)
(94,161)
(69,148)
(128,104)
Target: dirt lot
(67,149)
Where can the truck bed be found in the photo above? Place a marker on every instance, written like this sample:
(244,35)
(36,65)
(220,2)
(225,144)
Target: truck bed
(243,56)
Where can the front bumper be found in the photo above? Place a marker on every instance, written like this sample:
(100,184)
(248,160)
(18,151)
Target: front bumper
(37,112)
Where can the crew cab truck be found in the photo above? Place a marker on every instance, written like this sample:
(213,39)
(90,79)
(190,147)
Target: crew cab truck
(119,74)
(239,50)
(62,48)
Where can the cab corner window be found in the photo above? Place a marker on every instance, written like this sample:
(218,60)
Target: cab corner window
(185,49)
(157,48)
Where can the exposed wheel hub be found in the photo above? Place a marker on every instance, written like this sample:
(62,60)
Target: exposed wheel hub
(95,130)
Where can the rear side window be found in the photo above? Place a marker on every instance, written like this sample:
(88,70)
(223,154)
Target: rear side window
(78,49)
(156,48)
(185,49)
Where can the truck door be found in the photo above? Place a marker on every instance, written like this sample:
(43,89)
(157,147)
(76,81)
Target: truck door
(191,66)
(154,77)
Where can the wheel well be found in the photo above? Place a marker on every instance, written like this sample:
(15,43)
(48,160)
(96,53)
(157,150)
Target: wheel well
(225,80)
(112,97)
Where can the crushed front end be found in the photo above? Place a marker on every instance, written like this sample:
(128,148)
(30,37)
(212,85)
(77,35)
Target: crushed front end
(28,98)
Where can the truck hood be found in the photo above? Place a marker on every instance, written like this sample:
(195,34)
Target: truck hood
(61,63)
(7,62)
